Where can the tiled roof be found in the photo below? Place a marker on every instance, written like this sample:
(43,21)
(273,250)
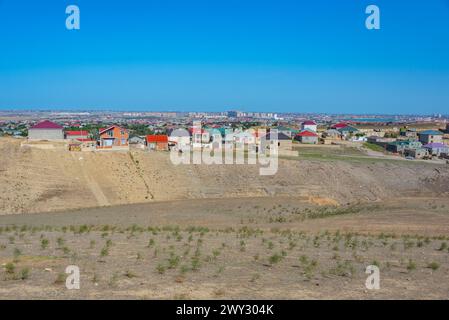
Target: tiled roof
(307,133)
(348,129)
(309,123)
(280,136)
(431,132)
(46,125)
(102,130)
(339,125)
(157,138)
(435,145)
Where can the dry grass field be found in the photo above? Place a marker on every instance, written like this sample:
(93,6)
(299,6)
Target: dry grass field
(141,228)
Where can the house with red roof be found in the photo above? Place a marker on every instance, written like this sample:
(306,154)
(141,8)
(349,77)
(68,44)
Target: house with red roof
(113,137)
(309,125)
(158,142)
(77,135)
(307,136)
(339,125)
(46,130)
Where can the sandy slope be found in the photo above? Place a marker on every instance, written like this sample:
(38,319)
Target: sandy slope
(37,180)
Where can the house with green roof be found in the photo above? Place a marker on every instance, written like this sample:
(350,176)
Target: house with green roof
(285,130)
(348,131)
(401,146)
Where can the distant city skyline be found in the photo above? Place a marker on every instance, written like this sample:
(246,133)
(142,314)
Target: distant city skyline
(255,56)
(251,112)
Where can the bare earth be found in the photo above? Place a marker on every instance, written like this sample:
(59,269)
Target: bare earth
(140,228)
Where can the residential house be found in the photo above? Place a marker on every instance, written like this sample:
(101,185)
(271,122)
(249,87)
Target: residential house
(372,132)
(285,130)
(436,148)
(215,137)
(418,153)
(244,137)
(199,136)
(46,130)
(401,146)
(430,136)
(113,137)
(284,142)
(339,125)
(408,133)
(307,136)
(309,125)
(258,133)
(158,142)
(332,134)
(137,142)
(347,132)
(179,139)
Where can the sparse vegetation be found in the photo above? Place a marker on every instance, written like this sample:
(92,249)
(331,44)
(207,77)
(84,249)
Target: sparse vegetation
(44,244)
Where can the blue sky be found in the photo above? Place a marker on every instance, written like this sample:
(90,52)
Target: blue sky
(199,55)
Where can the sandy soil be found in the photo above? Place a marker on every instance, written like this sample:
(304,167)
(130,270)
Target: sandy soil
(140,228)
(214,248)
(36,180)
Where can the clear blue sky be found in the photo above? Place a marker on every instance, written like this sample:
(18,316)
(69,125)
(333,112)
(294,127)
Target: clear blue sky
(277,55)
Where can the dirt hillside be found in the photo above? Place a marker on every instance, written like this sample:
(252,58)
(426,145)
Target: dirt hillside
(40,180)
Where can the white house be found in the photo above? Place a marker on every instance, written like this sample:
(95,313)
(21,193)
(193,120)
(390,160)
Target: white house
(309,125)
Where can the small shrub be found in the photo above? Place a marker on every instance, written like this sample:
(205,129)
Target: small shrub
(411,265)
(130,274)
(160,269)
(44,244)
(60,241)
(433,265)
(275,258)
(196,263)
(24,273)
(17,253)
(173,261)
(104,252)
(10,268)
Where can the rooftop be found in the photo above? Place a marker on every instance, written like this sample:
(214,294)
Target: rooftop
(157,138)
(431,132)
(309,123)
(435,145)
(307,133)
(46,125)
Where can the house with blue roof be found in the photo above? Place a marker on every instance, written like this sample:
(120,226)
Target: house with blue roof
(430,136)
